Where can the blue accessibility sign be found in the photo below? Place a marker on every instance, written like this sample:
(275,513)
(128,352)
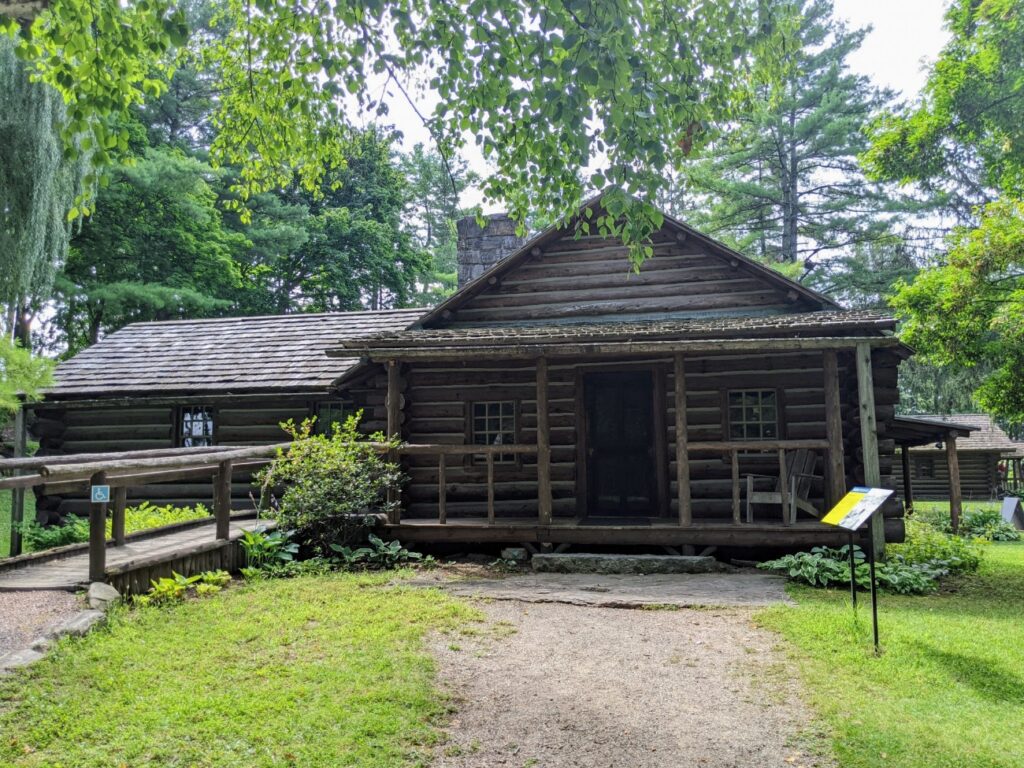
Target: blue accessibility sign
(100,494)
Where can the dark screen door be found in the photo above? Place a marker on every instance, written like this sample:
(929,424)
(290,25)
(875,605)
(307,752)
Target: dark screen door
(621,478)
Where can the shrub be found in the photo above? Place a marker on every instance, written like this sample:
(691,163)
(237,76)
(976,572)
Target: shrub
(38,537)
(828,567)
(988,524)
(379,554)
(977,522)
(263,549)
(330,484)
(928,545)
(176,588)
(75,529)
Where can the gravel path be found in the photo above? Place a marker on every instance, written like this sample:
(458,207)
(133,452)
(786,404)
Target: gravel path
(558,686)
(24,614)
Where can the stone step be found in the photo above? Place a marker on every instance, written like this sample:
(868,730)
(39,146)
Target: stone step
(617,563)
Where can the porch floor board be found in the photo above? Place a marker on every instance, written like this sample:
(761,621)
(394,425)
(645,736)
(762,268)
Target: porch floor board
(653,532)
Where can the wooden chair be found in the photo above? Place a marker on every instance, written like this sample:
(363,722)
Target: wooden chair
(800,466)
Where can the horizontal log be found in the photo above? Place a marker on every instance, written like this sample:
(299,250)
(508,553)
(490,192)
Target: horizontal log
(561,349)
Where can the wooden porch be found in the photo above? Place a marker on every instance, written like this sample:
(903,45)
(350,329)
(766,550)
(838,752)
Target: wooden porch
(683,519)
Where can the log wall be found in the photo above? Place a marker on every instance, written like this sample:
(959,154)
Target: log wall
(436,398)
(978,475)
(590,279)
(240,421)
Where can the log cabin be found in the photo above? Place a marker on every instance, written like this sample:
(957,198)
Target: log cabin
(984,456)
(556,398)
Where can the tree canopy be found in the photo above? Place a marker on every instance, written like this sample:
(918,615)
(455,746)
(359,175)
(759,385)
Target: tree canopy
(543,87)
(965,135)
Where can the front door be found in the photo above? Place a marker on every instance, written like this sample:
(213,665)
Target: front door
(619,441)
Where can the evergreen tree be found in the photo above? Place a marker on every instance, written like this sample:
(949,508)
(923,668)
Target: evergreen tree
(782,182)
(435,188)
(155,249)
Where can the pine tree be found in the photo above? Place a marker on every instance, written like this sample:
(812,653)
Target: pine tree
(782,183)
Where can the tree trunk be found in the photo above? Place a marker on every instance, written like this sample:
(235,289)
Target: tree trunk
(790,196)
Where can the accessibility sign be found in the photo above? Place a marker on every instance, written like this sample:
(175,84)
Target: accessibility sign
(100,494)
(854,509)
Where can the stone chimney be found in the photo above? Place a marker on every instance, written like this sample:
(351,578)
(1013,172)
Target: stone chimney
(479,249)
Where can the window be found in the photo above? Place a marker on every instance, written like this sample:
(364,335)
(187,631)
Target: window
(195,427)
(924,468)
(494,423)
(753,414)
(329,413)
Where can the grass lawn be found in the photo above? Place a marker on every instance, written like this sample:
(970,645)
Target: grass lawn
(5,518)
(948,690)
(314,671)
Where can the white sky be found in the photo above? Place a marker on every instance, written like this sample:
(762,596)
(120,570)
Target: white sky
(906,36)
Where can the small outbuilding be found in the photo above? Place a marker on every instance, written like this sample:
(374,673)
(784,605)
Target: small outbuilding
(986,454)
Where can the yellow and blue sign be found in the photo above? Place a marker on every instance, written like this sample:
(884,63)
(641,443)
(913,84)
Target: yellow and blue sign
(856,507)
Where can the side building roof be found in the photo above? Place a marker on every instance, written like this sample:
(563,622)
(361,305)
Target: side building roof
(221,355)
(985,435)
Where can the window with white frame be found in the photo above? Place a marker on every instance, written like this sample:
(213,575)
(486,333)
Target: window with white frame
(494,423)
(753,414)
(195,426)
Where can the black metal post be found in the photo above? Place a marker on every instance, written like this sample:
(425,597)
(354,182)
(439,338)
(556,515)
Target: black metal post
(853,575)
(874,596)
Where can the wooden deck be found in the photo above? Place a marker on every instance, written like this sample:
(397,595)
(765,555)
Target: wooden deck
(131,565)
(650,533)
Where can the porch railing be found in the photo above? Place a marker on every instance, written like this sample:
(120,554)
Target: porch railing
(732,448)
(780,447)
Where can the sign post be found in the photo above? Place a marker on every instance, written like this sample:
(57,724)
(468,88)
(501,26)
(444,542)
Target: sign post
(851,513)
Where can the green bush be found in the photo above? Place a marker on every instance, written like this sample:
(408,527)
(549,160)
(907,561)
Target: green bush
(926,544)
(263,549)
(988,524)
(36,537)
(977,522)
(75,529)
(379,554)
(828,567)
(329,484)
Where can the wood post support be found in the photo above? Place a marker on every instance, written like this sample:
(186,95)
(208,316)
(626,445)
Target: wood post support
(97,533)
(682,440)
(908,482)
(543,445)
(490,489)
(735,461)
(869,438)
(836,461)
(117,515)
(442,490)
(18,494)
(955,496)
(394,409)
(222,500)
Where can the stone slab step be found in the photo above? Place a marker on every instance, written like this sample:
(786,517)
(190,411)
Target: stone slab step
(616,563)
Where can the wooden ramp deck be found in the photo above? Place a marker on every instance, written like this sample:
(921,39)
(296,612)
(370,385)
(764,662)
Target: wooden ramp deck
(129,567)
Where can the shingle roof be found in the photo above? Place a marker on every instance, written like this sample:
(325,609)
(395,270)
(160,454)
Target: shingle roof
(986,435)
(803,323)
(222,354)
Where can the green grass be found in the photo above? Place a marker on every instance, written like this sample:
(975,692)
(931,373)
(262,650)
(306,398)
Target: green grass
(948,690)
(943,506)
(5,518)
(313,671)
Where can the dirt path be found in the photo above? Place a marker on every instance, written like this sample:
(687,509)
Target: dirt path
(552,685)
(24,614)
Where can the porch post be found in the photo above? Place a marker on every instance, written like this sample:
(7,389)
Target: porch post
(543,445)
(836,462)
(97,533)
(869,438)
(394,409)
(18,494)
(908,482)
(955,497)
(682,451)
